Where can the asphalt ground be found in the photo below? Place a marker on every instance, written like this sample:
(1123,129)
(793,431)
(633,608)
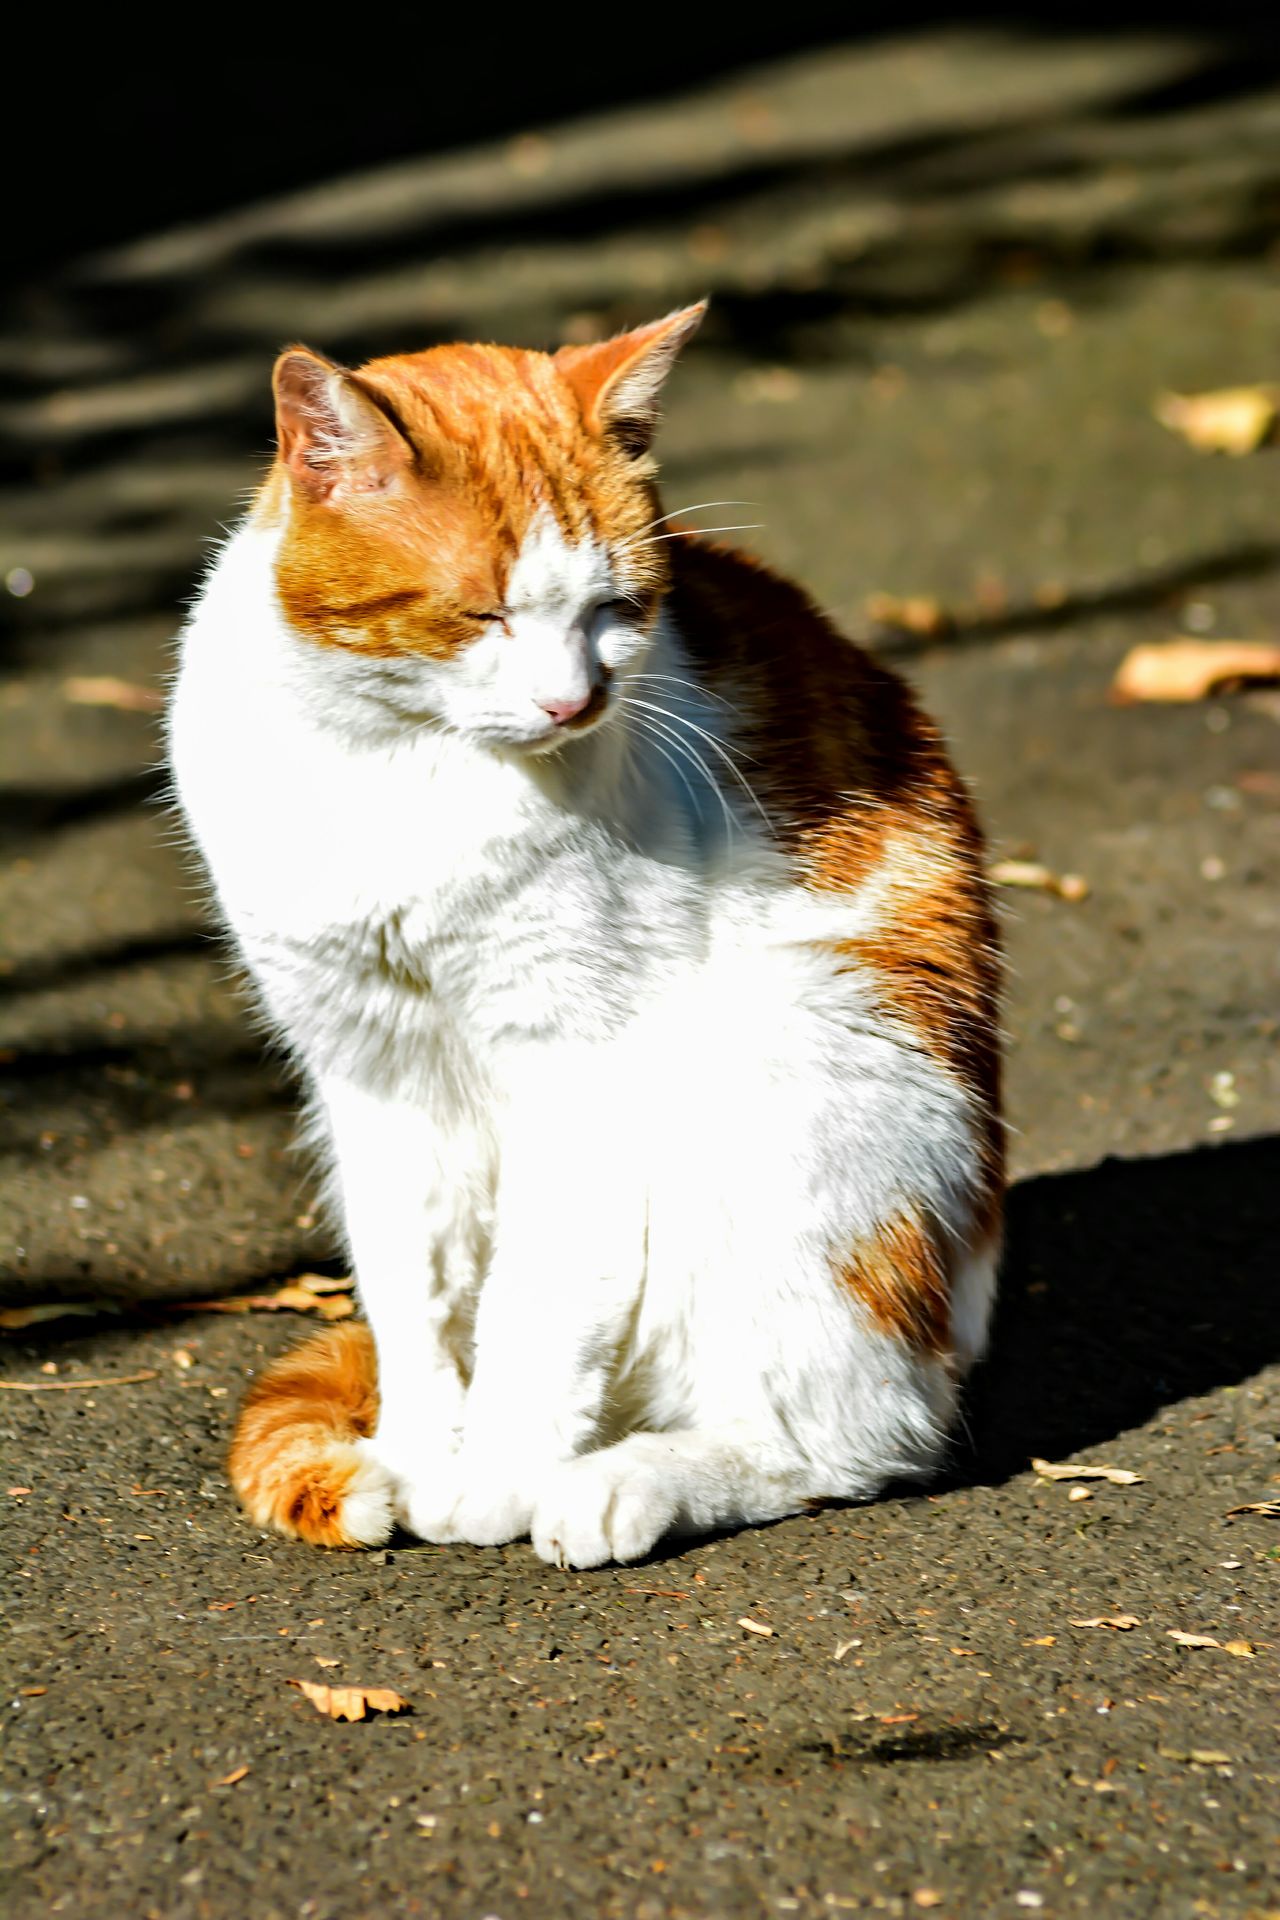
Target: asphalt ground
(950,272)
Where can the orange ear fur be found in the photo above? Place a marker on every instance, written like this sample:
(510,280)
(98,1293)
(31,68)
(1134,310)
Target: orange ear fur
(617,382)
(334,433)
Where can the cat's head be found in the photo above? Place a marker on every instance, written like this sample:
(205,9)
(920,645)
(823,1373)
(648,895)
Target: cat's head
(476,526)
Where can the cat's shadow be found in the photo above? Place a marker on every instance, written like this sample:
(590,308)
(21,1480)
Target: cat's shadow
(1126,1286)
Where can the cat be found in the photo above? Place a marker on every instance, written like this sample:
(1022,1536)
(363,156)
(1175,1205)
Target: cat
(629,928)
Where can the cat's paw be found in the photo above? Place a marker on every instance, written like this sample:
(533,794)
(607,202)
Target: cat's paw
(603,1506)
(468,1499)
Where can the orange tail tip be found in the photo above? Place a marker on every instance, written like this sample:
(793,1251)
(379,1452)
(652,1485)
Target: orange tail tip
(296,1462)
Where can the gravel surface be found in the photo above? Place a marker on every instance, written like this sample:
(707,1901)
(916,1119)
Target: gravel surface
(950,274)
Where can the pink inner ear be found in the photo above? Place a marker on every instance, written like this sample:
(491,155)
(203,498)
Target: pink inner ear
(331,433)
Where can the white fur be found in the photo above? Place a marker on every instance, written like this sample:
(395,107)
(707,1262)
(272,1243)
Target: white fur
(603,1117)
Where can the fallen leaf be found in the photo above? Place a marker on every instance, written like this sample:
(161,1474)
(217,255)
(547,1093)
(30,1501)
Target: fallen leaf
(322,1661)
(69,1386)
(1243,1649)
(1193,669)
(1235,420)
(919,614)
(30,1693)
(230,1779)
(1270,1507)
(896,1719)
(661,1593)
(926,1897)
(106,691)
(17,1493)
(1122,1622)
(1199,1756)
(350,1703)
(1192,1639)
(754,1626)
(317,1293)
(1046,1640)
(845,1646)
(1031,873)
(14,1319)
(1118,1476)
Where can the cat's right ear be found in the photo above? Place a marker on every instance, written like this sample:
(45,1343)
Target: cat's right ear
(335,438)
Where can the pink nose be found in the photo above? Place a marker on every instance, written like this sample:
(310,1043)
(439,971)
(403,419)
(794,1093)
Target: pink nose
(562,711)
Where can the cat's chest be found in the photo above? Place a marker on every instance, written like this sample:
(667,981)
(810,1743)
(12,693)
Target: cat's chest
(408,903)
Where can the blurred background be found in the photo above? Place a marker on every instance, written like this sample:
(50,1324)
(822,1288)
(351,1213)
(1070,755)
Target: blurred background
(953,265)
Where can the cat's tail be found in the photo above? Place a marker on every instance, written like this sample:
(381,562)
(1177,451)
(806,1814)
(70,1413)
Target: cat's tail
(296,1461)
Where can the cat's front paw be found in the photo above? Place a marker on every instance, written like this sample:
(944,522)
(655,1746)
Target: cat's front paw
(603,1506)
(469,1499)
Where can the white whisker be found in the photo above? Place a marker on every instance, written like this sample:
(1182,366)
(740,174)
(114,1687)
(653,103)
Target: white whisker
(688,533)
(716,747)
(687,752)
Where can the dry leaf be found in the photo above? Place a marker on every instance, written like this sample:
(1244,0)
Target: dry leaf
(1234,420)
(14,1319)
(1192,1639)
(1122,1622)
(919,614)
(106,691)
(1270,1507)
(1193,669)
(68,1386)
(754,1626)
(1201,1756)
(230,1779)
(926,1897)
(1242,1649)
(1046,1640)
(350,1703)
(1030,873)
(310,1293)
(1118,1476)
(321,1661)
(1080,1493)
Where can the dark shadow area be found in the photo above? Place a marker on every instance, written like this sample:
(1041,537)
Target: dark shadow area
(26,811)
(1154,588)
(1126,1287)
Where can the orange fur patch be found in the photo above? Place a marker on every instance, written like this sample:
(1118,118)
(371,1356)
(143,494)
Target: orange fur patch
(292,1460)
(900,1277)
(859,790)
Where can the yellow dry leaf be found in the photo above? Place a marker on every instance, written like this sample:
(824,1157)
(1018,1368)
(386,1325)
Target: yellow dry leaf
(1045,1640)
(1122,1622)
(1270,1507)
(105,691)
(1192,1639)
(1243,1649)
(1235,420)
(1183,669)
(754,1626)
(350,1703)
(1118,1476)
(919,613)
(230,1779)
(1031,873)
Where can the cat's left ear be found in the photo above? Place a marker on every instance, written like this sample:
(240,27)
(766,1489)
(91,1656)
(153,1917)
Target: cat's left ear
(618,382)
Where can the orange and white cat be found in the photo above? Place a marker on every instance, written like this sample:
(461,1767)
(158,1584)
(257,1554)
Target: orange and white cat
(629,929)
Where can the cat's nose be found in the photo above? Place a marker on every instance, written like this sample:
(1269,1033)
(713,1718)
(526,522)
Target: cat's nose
(562,711)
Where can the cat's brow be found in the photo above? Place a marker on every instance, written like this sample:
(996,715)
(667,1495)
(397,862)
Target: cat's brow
(366,609)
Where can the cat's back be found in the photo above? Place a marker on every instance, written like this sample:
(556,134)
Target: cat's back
(861,797)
